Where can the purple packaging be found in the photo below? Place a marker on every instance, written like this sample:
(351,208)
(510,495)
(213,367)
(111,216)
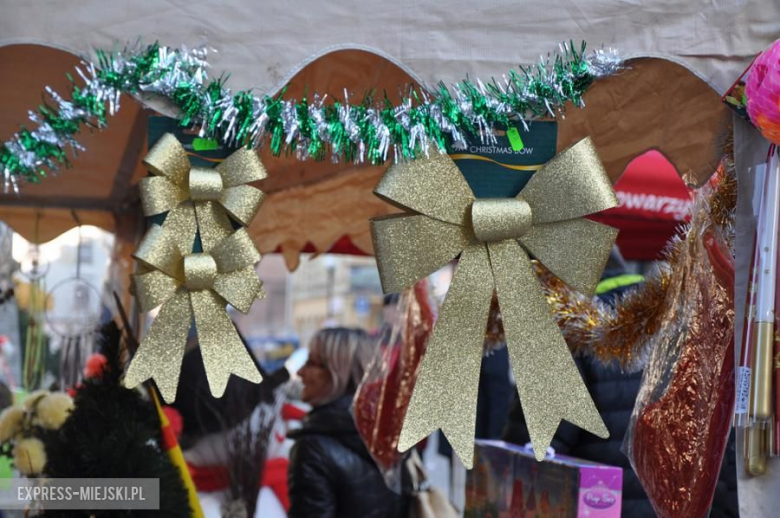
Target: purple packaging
(508,482)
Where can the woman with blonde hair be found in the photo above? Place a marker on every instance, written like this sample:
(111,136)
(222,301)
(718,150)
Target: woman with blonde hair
(331,472)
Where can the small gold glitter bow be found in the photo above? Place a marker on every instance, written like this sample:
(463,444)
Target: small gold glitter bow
(198,286)
(198,202)
(494,238)
(197,196)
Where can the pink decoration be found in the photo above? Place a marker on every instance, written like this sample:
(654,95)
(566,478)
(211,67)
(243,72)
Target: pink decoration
(763,93)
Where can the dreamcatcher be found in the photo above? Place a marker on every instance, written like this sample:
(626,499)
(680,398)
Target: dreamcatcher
(74,318)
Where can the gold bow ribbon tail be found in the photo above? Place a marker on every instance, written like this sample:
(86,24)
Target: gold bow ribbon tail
(198,196)
(194,286)
(494,238)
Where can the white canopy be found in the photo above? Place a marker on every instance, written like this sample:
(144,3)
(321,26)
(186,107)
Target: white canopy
(263,45)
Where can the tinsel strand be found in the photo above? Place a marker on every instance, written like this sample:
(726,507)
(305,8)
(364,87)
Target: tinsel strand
(369,131)
(621,334)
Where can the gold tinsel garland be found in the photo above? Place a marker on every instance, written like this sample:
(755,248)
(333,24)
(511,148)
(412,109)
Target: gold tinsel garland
(620,334)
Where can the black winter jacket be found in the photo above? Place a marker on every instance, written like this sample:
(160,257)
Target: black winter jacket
(332,474)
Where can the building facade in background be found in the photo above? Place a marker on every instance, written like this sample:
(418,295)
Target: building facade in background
(327,290)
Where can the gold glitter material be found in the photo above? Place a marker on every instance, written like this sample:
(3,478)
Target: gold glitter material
(160,252)
(548,382)
(445,394)
(397,241)
(240,288)
(500,218)
(223,351)
(432,186)
(159,195)
(224,273)
(205,184)
(243,166)
(153,288)
(208,288)
(236,252)
(169,159)
(200,271)
(213,224)
(242,203)
(177,184)
(161,352)
(592,241)
(182,227)
(409,247)
(571,185)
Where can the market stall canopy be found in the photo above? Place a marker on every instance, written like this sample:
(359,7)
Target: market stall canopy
(265,45)
(322,206)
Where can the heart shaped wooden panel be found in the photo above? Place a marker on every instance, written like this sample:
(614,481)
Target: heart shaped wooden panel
(653,104)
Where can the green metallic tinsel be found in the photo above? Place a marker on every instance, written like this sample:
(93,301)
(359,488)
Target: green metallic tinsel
(365,132)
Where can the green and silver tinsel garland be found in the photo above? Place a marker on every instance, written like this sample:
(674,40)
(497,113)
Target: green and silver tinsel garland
(310,128)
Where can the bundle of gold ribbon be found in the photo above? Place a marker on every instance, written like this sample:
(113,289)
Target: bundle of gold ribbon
(200,203)
(493,238)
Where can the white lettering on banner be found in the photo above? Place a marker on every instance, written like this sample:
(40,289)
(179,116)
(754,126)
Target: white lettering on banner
(743,390)
(679,208)
(500,150)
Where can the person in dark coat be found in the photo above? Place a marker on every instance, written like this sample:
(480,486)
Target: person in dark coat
(332,474)
(203,414)
(615,394)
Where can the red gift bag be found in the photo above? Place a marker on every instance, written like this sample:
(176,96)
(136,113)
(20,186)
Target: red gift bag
(682,418)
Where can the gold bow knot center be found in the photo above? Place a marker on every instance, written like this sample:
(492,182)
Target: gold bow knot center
(200,272)
(205,184)
(497,219)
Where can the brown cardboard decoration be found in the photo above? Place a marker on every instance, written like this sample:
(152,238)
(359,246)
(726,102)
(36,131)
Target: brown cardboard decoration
(360,73)
(654,104)
(320,214)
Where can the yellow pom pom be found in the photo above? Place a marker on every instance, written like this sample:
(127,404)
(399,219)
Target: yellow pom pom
(10,422)
(33,398)
(53,410)
(30,456)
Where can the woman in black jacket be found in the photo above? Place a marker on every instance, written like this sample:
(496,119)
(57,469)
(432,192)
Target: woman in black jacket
(331,472)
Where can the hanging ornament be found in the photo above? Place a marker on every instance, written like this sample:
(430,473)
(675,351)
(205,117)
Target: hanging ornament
(200,203)
(762,91)
(494,238)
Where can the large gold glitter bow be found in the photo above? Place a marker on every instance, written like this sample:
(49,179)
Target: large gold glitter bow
(186,192)
(198,286)
(494,238)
